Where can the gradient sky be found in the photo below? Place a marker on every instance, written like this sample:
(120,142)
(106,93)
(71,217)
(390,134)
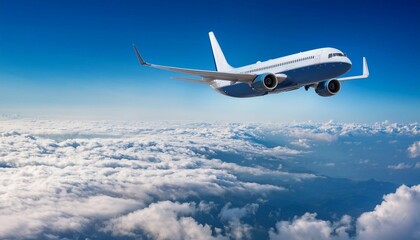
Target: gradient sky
(73,59)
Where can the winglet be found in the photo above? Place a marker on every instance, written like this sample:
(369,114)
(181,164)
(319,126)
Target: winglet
(365,68)
(142,62)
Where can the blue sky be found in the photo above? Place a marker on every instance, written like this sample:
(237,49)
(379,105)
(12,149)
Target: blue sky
(73,59)
(62,62)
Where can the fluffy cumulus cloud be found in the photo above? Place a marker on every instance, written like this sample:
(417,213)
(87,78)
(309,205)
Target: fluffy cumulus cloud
(61,179)
(233,215)
(414,150)
(308,227)
(173,220)
(162,220)
(397,217)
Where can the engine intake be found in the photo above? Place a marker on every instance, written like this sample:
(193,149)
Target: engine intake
(328,88)
(265,82)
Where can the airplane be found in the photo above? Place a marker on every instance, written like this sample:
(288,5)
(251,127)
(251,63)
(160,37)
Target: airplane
(319,68)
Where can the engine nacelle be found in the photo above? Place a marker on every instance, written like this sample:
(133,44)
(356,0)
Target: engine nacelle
(328,88)
(265,82)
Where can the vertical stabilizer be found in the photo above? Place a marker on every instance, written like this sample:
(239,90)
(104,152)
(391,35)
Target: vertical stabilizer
(219,57)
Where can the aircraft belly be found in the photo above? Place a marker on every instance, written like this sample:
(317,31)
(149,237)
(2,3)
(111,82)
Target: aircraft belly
(296,78)
(314,73)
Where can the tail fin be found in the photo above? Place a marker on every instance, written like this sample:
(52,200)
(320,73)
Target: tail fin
(219,58)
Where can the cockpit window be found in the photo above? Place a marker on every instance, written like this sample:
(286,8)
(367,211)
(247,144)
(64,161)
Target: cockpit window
(336,54)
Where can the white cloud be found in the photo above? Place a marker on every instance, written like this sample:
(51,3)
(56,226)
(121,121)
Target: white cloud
(399,166)
(397,217)
(308,227)
(414,150)
(59,214)
(301,132)
(227,213)
(161,220)
(301,142)
(364,161)
(235,228)
(173,220)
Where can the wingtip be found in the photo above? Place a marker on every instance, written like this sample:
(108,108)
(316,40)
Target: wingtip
(365,67)
(141,61)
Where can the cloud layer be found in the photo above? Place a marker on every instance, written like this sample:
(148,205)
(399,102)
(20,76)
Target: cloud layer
(70,176)
(61,179)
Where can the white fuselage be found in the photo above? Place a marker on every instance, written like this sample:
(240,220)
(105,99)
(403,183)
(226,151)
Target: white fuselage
(302,69)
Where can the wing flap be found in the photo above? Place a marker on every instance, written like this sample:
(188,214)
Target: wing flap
(194,80)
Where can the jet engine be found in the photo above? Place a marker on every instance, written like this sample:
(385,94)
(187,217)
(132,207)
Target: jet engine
(328,88)
(264,82)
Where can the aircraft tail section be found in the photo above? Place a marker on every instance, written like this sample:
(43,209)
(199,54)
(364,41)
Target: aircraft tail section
(219,58)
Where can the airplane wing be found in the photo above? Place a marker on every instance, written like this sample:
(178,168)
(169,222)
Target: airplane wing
(208,76)
(364,75)
(203,81)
